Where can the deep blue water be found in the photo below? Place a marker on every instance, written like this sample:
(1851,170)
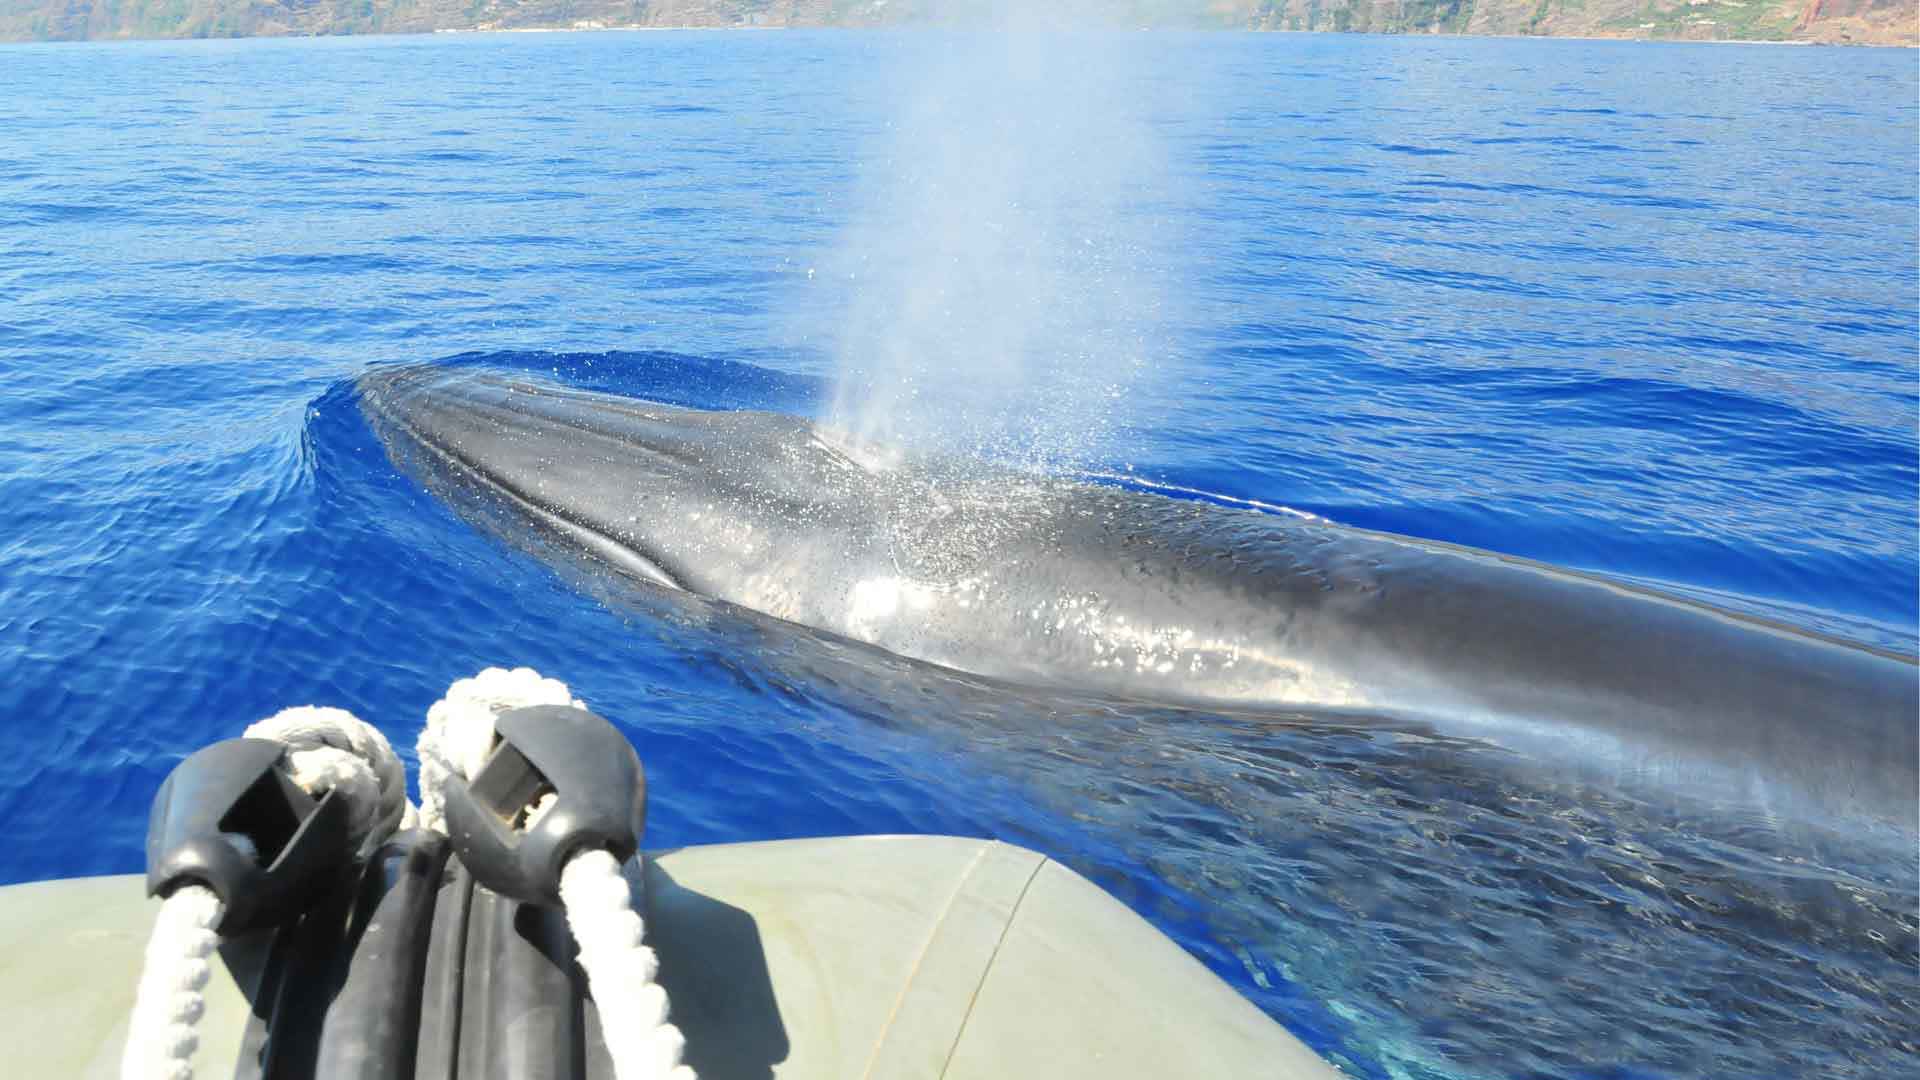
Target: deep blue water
(1647,310)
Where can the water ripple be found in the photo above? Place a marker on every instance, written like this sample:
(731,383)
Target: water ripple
(1643,310)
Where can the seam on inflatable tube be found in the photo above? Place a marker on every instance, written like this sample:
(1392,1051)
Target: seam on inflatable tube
(1012,914)
(913,973)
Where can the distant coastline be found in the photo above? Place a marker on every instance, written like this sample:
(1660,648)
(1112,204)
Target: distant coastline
(1831,22)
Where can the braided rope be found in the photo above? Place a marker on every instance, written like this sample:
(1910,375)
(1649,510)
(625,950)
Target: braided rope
(459,731)
(162,1035)
(334,750)
(620,969)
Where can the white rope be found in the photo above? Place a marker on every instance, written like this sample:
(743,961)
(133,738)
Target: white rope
(620,970)
(327,750)
(334,750)
(161,1038)
(458,735)
(599,900)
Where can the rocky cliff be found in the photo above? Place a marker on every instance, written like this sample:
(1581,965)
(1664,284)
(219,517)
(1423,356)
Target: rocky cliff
(1891,22)
(1894,22)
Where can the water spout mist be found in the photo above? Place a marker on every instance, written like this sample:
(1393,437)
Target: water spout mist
(999,286)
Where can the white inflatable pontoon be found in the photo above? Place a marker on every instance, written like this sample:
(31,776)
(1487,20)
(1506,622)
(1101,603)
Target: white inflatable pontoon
(867,957)
(316,924)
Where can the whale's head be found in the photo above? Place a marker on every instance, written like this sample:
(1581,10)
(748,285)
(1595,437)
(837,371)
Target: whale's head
(669,495)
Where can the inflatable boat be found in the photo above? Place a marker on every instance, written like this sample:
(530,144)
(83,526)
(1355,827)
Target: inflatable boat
(882,956)
(424,956)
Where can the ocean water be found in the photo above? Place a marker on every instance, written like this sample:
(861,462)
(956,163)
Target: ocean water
(1645,310)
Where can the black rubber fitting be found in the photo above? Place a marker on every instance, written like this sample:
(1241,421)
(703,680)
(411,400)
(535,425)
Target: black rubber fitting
(238,788)
(601,801)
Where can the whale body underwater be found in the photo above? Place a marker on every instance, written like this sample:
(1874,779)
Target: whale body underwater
(1071,583)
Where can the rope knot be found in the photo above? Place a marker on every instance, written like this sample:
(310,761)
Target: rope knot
(333,750)
(459,731)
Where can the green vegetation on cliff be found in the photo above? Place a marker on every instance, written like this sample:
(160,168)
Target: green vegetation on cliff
(1895,22)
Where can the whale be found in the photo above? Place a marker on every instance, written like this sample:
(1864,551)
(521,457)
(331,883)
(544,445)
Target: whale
(1072,582)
